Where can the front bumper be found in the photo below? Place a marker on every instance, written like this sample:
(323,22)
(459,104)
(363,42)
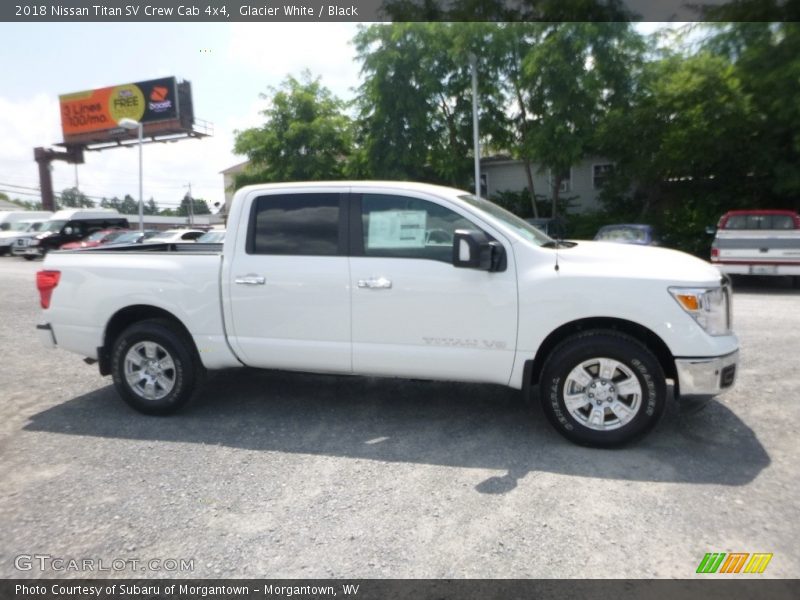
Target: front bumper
(27,251)
(708,376)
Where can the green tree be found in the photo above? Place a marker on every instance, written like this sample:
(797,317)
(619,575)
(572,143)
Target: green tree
(113,203)
(199,206)
(306,136)
(765,59)
(74,198)
(413,105)
(129,206)
(544,87)
(150,207)
(574,74)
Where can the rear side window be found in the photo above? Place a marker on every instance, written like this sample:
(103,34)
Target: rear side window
(295,224)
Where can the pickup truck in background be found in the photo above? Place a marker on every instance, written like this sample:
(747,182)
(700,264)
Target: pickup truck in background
(406,280)
(758,242)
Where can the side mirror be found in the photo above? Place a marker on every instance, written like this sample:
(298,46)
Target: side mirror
(474,250)
(711,230)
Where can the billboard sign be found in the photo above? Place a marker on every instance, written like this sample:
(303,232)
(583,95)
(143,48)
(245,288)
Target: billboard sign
(94,115)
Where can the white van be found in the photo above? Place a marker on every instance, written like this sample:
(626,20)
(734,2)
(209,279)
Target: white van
(17,230)
(7,217)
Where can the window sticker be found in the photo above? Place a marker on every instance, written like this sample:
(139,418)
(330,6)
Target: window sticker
(397,229)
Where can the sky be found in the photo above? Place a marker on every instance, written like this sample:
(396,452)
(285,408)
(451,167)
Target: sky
(228,64)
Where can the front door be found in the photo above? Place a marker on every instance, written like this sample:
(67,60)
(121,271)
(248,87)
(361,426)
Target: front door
(414,313)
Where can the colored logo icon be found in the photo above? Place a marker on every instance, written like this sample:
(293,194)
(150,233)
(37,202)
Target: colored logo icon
(734,562)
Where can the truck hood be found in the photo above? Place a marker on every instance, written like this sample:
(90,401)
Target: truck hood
(611,259)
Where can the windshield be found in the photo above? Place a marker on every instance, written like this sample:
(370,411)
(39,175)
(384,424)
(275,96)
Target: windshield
(509,219)
(212,237)
(164,235)
(53,226)
(127,237)
(625,234)
(18,226)
(96,236)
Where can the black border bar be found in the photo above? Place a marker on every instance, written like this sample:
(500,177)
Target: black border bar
(264,11)
(708,587)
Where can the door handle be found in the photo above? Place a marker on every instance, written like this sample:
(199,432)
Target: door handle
(379,283)
(250,279)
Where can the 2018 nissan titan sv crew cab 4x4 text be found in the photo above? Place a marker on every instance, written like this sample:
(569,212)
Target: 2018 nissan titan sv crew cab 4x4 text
(400,280)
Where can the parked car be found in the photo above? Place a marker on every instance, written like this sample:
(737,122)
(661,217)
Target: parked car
(342,278)
(16,230)
(215,236)
(758,242)
(171,236)
(628,233)
(555,227)
(98,238)
(133,237)
(67,226)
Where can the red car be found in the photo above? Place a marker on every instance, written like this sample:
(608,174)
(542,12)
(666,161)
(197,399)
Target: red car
(104,236)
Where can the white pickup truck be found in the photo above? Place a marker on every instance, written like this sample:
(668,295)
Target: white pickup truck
(400,280)
(758,242)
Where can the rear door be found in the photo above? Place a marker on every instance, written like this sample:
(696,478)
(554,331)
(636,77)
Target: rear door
(287,284)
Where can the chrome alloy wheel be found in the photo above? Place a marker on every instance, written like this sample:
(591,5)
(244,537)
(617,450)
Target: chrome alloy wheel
(602,394)
(150,370)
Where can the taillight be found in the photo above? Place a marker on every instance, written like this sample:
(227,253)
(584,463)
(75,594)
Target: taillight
(714,253)
(46,282)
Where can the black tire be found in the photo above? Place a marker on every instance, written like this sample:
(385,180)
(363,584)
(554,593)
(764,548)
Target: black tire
(28,257)
(167,356)
(609,418)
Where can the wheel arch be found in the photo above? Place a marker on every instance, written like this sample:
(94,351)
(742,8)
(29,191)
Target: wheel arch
(124,318)
(533,367)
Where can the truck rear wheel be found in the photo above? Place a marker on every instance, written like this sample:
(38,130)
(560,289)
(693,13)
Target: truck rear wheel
(602,389)
(154,367)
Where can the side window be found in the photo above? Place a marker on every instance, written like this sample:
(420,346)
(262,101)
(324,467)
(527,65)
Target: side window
(403,227)
(295,224)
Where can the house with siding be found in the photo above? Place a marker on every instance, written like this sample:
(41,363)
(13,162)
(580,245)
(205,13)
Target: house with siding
(582,183)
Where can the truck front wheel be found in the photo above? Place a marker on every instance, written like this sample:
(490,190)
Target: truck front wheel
(153,367)
(602,389)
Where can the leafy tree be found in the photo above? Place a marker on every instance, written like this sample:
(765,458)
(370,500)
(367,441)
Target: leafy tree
(574,75)
(306,136)
(150,207)
(765,58)
(544,87)
(199,206)
(74,198)
(110,203)
(690,123)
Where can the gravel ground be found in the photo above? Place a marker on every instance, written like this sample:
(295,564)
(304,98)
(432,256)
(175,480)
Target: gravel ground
(271,474)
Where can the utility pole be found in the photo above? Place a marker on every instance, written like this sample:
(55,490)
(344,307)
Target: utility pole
(191,205)
(473,62)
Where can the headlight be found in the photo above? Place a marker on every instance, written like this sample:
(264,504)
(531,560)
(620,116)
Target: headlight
(33,242)
(709,307)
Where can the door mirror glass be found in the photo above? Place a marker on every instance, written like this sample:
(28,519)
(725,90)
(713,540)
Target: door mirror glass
(475,250)
(711,230)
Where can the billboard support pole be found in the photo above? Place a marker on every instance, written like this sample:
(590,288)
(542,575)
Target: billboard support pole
(43,157)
